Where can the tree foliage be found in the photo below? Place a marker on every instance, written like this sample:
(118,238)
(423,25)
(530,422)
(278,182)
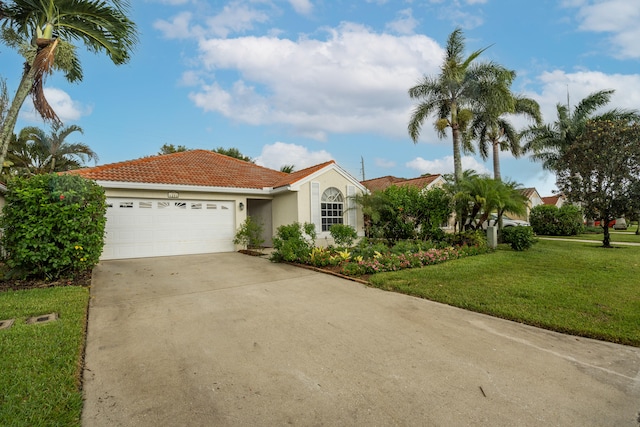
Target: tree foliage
(43,32)
(452,95)
(600,169)
(53,225)
(233,152)
(36,152)
(170,149)
(547,143)
(475,197)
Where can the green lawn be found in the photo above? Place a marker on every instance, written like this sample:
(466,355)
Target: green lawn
(41,364)
(616,236)
(577,288)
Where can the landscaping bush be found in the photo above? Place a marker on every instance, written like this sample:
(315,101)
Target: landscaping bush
(548,220)
(249,234)
(294,242)
(343,235)
(53,225)
(467,238)
(520,238)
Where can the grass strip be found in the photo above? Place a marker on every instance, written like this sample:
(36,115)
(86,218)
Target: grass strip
(571,287)
(41,364)
(617,236)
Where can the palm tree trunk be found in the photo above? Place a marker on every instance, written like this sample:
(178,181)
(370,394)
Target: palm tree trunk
(496,161)
(457,160)
(12,114)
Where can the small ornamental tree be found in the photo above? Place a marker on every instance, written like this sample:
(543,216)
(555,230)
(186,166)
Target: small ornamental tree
(598,170)
(53,225)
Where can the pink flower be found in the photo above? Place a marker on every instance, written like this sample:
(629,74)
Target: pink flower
(62,197)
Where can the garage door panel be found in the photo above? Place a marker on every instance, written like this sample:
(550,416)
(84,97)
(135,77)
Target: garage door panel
(145,227)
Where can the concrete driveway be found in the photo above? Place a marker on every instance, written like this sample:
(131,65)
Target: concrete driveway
(229,339)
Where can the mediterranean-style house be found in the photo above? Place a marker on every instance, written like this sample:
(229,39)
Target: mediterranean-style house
(194,201)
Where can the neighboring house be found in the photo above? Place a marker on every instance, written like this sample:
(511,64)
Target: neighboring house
(557,200)
(194,201)
(424,182)
(533,200)
(427,181)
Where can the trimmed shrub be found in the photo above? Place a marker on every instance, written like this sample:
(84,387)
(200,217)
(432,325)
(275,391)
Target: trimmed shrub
(548,220)
(520,238)
(294,242)
(249,234)
(343,235)
(53,225)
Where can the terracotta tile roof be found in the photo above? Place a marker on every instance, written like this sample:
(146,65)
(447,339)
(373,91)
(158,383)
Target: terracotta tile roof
(196,167)
(193,167)
(551,200)
(293,177)
(387,181)
(528,192)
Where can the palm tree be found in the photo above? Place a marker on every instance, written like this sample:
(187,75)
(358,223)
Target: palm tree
(548,142)
(453,93)
(493,130)
(287,168)
(36,152)
(43,30)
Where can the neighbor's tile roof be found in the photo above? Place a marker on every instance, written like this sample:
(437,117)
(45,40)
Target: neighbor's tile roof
(387,181)
(195,167)
(551,200)
(528,192)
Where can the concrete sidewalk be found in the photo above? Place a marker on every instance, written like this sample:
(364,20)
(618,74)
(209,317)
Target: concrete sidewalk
(229,339)
(589,241)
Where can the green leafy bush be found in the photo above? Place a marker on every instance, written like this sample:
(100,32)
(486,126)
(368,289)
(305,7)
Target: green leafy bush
(53,225)
(520,238)
(467,238)
(294,242)
(249,234)
(548,220)
(343,235)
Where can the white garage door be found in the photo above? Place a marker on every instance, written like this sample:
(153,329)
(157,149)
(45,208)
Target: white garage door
(138,228)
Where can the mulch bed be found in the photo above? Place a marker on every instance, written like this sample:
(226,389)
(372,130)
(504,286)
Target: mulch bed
(83,279)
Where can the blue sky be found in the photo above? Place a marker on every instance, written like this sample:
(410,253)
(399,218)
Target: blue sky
(304,81)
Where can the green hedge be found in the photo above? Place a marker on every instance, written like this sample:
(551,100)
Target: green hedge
(548,220)
(53,225)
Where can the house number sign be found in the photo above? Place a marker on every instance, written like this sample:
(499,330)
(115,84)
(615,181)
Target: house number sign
(173,195)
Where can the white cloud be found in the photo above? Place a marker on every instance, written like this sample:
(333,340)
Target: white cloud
(66,108)
(354,81)
(555,85)
(445,165)
(618,17)
(303,7)
(177,28)
(404,23)
(235,17)
(276,155)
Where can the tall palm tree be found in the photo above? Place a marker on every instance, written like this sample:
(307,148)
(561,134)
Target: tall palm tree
(35,151)
(43,31)
(452,94)
(493,130)
(548,142)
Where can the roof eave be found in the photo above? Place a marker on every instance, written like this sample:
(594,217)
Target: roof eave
(181,187)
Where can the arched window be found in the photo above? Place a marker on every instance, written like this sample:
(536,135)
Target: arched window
(331,207)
